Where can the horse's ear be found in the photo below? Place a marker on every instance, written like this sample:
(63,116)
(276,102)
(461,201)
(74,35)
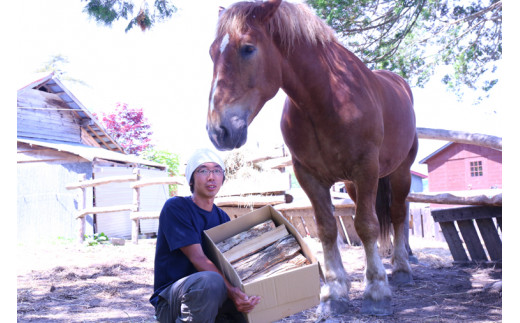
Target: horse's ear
(267,10)
(221,10)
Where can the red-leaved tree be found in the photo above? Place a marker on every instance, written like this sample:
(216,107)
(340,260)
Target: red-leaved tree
(129,127)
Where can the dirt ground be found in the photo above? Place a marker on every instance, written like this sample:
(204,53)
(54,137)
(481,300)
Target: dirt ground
(66,282)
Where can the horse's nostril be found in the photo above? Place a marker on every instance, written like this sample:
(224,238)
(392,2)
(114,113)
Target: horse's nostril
(223,133)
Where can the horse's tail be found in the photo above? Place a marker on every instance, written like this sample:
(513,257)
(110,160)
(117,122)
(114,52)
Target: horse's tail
(383,200)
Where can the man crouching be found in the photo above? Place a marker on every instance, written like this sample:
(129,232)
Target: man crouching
(188,287)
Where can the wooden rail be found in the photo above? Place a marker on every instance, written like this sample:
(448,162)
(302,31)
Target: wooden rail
(136,183)
(301,216)
(461,137)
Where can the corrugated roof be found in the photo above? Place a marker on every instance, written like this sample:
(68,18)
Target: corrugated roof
(89,152)
(50,83)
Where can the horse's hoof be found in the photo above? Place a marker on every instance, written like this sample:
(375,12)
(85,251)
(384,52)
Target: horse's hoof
(413,259)
(333,307)
(402,278)
(380,307)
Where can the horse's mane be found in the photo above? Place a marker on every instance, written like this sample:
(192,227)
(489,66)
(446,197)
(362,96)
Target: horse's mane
(292,23)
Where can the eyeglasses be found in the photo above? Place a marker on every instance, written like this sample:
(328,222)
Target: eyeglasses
(206,172)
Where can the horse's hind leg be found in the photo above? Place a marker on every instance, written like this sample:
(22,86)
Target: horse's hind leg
(334,294)
(400,181)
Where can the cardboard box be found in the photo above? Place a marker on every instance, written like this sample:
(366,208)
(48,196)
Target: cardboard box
(283,294)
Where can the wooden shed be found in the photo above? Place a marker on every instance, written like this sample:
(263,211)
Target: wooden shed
(459,167)
(58,140)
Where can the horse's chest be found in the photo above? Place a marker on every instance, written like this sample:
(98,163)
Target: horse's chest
(324,153)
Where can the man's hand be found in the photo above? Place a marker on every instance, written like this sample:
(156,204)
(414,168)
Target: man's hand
(243,303)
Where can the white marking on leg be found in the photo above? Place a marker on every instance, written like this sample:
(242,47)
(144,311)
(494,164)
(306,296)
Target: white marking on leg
(400,255)
(375,275)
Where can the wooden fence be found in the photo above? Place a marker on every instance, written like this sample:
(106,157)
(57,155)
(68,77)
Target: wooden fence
(456,227)
(465,242)
(136,183)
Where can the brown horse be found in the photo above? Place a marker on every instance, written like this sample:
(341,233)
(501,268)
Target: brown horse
(341,122)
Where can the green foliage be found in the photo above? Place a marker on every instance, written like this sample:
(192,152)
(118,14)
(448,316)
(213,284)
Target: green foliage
(96,239)
(108,11)
(414,37)
(166,158)
(57,64)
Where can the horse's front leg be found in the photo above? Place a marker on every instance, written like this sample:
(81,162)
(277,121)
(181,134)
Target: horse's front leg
(377,295)
(334,293)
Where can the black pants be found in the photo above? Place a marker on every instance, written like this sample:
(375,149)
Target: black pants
(201,297)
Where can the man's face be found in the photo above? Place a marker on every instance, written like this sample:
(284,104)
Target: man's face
(207,180)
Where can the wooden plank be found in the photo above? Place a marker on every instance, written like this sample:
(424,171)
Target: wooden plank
(306,207)
(454,242)
(428,224)
(283,249)
(489,234)
(157,181)
(448,198)
(467,213)
(253,245)
(297,222)
(461,137)
(472,240)
(101,181)
(294,216)
(142,215)
(342,230)
(106,209)
(235,212)
(298,261)
(417,223)
(311,226)
(241,237)
(348,222)
(250,200)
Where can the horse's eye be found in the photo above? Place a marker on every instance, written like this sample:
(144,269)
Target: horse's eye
(247,50)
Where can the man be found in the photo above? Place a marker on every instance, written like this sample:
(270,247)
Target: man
(188,287)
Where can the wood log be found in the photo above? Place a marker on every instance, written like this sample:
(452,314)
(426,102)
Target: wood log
(252,200)
(101,181)
(283,249)
(144,215)
(254,232)
(256,244)
(447,198)
(106,209)
(297,261)
(157,181)
(461,137)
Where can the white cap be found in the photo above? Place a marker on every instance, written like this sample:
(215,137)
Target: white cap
(200,157)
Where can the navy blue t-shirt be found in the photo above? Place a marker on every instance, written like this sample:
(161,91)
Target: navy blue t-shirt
(181,223)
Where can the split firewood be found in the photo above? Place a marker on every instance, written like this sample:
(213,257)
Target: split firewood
(297,261)
(251,246)
(280,251)
(254,232)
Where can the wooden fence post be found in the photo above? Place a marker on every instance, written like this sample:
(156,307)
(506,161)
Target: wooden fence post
(137,203)
(83,203)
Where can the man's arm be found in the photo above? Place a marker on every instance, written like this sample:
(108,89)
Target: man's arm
(197,257)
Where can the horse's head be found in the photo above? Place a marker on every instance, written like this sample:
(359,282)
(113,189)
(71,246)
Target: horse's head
(246,72)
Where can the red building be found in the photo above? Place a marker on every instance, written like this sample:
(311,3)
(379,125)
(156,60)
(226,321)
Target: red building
(459,167)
